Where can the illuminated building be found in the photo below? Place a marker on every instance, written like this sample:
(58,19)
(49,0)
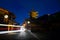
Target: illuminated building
(7,17)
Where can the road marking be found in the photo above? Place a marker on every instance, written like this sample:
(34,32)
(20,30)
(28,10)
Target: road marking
(33,35)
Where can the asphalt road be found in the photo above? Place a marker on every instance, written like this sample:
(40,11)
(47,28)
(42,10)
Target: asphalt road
(27,35)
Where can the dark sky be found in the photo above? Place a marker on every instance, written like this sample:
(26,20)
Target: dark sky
(21,8)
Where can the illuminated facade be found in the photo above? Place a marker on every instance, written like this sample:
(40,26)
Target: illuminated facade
(7,17)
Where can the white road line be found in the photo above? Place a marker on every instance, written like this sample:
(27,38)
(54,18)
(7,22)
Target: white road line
(33,35)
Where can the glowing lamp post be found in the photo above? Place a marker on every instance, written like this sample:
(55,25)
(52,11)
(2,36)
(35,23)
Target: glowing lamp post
(29,25)
(6,19)
(6,16)
(28,22)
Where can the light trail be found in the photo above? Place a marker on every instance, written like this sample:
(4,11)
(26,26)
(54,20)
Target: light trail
(10,25)
(20,30)
(4,32)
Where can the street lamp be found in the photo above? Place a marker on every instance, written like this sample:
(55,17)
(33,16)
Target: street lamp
(28,22)
(6,16)
(6,19)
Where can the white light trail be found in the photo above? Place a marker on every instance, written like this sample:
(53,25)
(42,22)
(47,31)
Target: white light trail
(10,25)
(20,30)
(4,32)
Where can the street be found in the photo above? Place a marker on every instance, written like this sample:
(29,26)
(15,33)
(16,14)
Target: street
(27,35)
(30,20)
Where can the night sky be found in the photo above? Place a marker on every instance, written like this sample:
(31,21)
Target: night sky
(21,8)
